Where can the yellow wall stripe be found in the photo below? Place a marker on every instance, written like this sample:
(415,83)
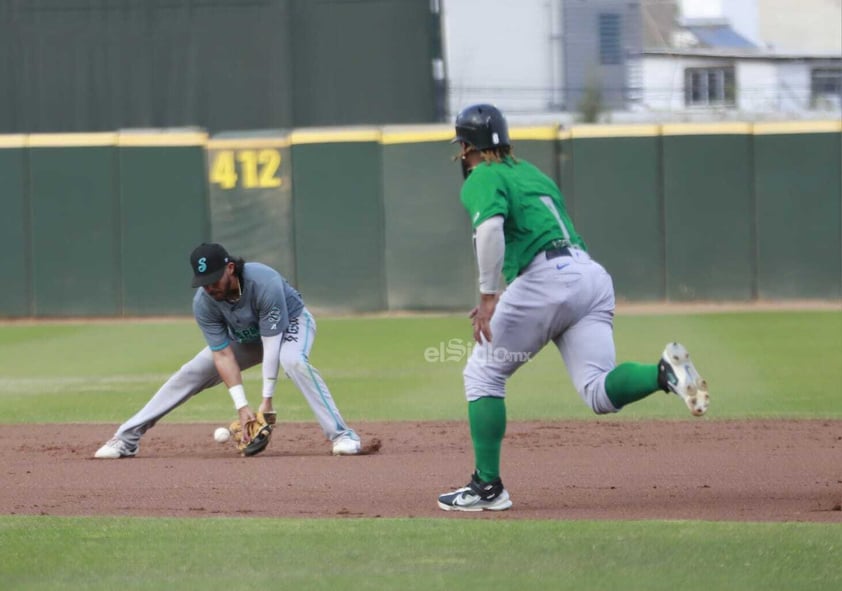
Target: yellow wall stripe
(334,135)
(152,139)
(12,141)
(589,131)
(780,127)
(408,134)
(231,143)
(442,133)
(543,132)
(706,129)
(57,140)
(403,134)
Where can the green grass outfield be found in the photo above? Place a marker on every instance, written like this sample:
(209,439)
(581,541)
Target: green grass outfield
(414,554)
(758,364)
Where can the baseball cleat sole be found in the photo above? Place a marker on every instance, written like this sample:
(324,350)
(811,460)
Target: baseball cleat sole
(684,380)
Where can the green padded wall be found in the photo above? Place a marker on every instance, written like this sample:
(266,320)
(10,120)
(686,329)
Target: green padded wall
(429,253)
(163,216)
(799,210)
(616,181)
(102,65)
(538,145)
(338,211)
(709,214)
(75,228)
(565,171)
(362,62)
(14,228)
(250,180)
(369,219)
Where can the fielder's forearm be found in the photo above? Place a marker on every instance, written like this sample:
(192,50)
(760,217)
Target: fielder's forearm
(229,370)
(491,250)
(271,363)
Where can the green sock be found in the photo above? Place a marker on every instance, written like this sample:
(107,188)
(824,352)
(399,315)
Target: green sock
(488,425)
(629,382)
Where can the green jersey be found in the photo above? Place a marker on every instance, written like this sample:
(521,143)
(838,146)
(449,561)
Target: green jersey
(530,203)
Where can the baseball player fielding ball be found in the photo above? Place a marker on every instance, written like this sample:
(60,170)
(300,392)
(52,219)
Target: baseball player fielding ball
(248,314)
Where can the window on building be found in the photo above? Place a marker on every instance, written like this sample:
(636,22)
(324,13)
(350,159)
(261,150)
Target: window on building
(709,87)
(826,87)
(610,48)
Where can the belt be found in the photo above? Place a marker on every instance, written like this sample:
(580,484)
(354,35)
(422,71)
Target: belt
(554,253)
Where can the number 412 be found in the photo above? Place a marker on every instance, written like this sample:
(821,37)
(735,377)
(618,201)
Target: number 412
(258,169)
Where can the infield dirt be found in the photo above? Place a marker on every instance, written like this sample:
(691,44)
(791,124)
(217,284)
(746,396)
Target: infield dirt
(759,470)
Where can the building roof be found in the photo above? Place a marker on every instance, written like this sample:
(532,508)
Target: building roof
(719,36)
(754,54)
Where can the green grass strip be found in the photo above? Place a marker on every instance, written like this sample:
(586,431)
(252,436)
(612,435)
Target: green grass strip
(758,364)
(45,553)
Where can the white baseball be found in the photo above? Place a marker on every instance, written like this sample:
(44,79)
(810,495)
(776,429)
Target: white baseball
(221,435)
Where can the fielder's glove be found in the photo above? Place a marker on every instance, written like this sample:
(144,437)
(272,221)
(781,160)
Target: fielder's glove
(259,434)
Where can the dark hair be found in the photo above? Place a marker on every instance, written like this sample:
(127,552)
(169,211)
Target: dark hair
(239,264)
(497,154)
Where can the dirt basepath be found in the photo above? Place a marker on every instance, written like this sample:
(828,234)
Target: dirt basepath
(770,470)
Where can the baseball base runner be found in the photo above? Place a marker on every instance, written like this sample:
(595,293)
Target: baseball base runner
(555,293)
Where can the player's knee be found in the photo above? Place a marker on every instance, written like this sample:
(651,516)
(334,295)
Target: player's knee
(196,371)
(594,395)
(293,366)
(479,382)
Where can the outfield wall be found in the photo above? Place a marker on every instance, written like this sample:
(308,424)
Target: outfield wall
(368,218)
(100,65)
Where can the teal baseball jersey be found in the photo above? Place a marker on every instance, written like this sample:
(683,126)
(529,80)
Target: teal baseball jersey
(529,201)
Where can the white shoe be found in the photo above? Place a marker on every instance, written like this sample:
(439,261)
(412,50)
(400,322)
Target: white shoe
(477,496)
(677,374)
(115,449)
(346,445)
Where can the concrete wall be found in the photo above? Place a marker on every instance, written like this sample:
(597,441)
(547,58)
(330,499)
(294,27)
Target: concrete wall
(502,52)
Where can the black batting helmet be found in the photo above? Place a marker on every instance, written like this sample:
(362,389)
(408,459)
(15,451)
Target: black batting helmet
(482,126)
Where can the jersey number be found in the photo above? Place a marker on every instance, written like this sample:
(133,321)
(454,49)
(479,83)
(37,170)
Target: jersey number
(546,200)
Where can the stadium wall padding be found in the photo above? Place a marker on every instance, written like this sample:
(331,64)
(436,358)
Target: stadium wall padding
(709,220)
(74,227)
(799,223)
(93,65)
(162,215)
(250,190)
(338,212)
(15,228)
(619,202)
(365,219)
(429,253)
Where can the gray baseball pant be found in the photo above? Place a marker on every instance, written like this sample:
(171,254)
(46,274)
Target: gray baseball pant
(567,300)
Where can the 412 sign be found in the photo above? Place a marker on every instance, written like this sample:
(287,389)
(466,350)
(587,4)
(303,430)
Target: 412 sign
(246,169)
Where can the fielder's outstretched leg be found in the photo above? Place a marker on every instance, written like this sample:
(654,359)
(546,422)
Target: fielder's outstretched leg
(295,360)
(196,375)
